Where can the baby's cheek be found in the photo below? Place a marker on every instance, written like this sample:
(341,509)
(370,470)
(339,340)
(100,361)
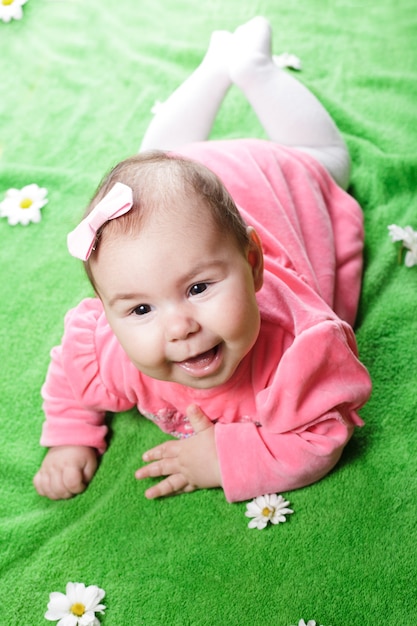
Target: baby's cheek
(242,320)
(143,350)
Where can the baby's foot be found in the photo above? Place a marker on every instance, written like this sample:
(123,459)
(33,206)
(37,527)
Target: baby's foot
(251,49)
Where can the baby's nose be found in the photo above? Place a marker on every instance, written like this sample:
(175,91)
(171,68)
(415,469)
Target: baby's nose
(180,326)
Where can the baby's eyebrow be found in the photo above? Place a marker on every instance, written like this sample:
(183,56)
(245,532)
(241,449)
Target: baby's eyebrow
(201,268)
(125,296)
(197,271)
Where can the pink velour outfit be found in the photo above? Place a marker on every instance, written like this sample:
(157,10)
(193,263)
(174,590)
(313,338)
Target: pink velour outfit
(282,420)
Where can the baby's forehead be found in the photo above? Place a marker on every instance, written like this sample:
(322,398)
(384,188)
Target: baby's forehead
(177,206)
(173,231)
(178,217)
(191,217)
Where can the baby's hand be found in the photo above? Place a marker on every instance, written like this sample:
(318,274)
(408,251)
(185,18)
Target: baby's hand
(188,464)
(65,471)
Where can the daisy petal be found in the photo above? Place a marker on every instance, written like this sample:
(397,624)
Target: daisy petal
(68,620)
(77,607)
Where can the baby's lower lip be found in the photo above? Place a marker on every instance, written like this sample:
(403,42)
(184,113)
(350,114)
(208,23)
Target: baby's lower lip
(203,364)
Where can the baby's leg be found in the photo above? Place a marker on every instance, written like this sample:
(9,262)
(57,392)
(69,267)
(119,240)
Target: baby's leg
(189,112)
(288,111)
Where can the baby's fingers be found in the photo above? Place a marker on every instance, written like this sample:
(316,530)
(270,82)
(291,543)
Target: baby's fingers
(40,483)
(46,485)
(166,450)
(50,485)
(63,484)
(59,485)
(164,467)
(73,481)
(176,483)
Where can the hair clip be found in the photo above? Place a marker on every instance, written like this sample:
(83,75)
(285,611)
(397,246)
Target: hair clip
(82,240)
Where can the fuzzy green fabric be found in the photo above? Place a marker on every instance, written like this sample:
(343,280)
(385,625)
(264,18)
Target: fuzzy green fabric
(78,82)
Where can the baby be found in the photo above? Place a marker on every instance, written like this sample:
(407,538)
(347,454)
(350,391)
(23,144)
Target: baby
(227,276)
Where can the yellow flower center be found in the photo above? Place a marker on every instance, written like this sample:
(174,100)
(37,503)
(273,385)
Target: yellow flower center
(25,203)
(266,511)
(78,609)
(7,2)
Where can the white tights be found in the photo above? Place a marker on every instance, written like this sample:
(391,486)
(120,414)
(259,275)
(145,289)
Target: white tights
(290,114)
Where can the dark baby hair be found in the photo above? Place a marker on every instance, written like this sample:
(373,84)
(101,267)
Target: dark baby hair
(156,177)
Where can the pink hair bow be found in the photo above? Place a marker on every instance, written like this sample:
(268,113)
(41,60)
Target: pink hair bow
(115,203)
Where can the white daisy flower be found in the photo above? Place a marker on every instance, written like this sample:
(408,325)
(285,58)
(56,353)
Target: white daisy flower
(11,10)
(310,622)
(408,237)
(268,508)
(77,607)
(22,206)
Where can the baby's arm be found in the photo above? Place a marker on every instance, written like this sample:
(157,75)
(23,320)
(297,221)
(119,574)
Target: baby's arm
(65,471)
(306,417)
(187,464)
(75,401)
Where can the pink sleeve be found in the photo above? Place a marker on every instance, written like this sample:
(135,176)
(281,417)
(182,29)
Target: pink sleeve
(75,397)
(306,417)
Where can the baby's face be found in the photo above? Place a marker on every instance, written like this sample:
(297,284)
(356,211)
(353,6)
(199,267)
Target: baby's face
(180,297)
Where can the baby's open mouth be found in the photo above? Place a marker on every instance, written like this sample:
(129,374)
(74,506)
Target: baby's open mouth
(203,363)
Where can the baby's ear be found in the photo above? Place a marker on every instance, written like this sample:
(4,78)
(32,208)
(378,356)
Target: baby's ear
(255,257)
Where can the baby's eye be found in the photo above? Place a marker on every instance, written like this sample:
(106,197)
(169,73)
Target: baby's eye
(142,309)
(197,288)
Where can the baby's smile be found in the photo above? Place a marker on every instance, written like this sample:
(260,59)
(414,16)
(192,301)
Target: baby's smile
(203,364)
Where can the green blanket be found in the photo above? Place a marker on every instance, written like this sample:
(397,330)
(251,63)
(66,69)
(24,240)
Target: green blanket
(78,81)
